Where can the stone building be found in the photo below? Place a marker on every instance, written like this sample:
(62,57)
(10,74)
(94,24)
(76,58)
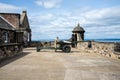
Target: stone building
(78,34)
(18,23)
(7,32)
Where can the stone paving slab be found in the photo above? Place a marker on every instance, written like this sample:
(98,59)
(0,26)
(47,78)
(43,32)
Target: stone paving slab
(50,65)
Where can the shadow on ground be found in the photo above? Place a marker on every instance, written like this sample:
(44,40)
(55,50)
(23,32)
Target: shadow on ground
(75,51)
(12,59)
(30,48)
(58,51)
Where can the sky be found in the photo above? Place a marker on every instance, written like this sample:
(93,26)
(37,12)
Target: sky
(51,18)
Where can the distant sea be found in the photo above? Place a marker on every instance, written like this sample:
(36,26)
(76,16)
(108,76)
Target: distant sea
(107,40)
(43,40)
(97,40)
(47,40)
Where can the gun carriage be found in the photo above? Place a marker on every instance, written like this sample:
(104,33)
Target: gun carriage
(64,46)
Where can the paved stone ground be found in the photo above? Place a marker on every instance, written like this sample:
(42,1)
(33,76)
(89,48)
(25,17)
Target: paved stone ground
(50,65)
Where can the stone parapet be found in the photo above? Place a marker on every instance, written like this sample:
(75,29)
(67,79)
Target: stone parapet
(103,48)
(42,44)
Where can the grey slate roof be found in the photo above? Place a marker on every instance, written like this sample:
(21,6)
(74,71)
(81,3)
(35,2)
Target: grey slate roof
(78,28)
(4,24)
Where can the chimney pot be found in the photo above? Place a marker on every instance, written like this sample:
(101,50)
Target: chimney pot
(24,11)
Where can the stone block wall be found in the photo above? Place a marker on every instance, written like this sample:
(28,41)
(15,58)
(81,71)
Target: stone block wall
(41,44)
(102,48)
(10,50)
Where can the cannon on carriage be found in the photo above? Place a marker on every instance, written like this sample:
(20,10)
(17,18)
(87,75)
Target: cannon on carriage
(64,46)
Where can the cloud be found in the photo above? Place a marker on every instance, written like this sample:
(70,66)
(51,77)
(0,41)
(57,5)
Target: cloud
(98,23)
(105,16)
(51,25)
(48,3)
(8,7)
(101,23)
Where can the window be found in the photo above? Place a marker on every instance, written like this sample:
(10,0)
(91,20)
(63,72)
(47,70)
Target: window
(5,37)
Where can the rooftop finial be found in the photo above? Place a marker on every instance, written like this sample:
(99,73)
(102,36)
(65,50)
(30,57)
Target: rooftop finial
(78,24)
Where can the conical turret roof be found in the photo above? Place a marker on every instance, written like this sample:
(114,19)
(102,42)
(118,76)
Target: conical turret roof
(78,28)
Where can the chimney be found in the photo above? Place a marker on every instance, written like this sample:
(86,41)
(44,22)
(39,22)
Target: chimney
(24,12)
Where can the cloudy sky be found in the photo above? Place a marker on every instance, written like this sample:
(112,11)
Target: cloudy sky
(51,18)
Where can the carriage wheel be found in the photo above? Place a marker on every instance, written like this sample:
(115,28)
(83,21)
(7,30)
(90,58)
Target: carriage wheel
(66,49)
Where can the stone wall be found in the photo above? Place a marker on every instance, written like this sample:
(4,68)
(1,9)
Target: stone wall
(10,50)
(102,48)
(42,44)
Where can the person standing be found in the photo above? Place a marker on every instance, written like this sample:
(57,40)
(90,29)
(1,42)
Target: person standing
(89,44)
(56,41)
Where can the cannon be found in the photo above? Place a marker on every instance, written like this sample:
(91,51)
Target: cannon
(64,46)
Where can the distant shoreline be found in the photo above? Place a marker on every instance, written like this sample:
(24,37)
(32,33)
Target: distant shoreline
(97,40)
(107,40)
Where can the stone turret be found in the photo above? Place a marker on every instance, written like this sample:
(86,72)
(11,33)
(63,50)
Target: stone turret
(79,31)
